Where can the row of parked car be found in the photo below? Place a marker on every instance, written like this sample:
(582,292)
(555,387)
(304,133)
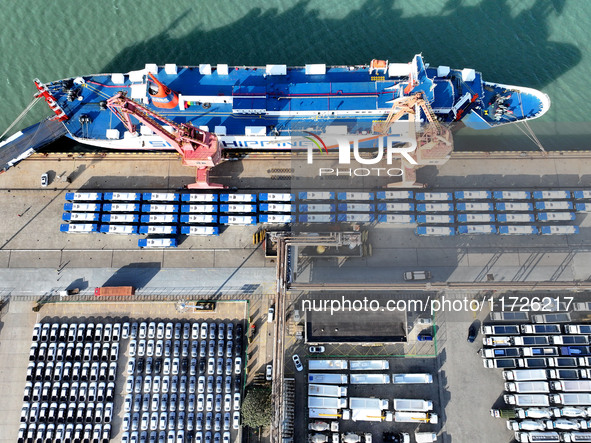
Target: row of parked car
(65,392)
(74,351)
(175,437)
(177,348)
(73,412)
(181,420)
(68,371)
(76,332)
(184,330)
(64,433)
(186,401)
(182,384)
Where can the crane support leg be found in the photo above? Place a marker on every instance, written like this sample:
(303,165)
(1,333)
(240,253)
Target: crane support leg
(202,181)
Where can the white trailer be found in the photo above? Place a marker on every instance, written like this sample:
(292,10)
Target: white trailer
(511,195)
(578,329)
(372,365)
(338,365)
(525,374)
(571,385)
(527,387)
(411,378)
(330,379)
(527,400)
(369,379)
(415,417)
(368,403)
(370,414)
(327,390)
(498,341)
(409,404)
(324,413)
(571,399)
(576,436)
(327,402)
(546,437)
(534,413)
(500,329)
(572,412)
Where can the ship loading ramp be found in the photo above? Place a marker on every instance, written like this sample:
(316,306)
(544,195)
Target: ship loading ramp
(26,142)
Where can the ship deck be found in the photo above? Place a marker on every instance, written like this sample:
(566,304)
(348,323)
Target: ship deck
(251,101)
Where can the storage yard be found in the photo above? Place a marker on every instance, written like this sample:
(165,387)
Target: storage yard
(439,383)
(121,378)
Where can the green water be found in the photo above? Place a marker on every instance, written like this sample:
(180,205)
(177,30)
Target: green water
(537,43)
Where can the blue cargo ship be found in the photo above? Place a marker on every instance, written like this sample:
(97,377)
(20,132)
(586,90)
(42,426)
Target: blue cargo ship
(266,107)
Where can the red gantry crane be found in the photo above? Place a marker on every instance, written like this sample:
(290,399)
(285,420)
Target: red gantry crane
(197,147)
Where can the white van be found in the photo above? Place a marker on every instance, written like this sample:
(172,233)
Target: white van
(417,275)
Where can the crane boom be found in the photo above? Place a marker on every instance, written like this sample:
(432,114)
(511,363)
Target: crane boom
(403,106)
(197,147)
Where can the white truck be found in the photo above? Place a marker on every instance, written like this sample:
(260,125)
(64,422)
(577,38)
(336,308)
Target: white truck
(338,365)
(527,400)
(527,387)
(327,402)
(408,404)
(411,378)
(367,379)
(571,385)
(525,374)
(328,379)
(368,403)
(415,417)
(327,390)
(371,365)
(571,399)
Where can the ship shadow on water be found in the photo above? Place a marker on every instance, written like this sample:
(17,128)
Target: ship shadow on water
(505,47)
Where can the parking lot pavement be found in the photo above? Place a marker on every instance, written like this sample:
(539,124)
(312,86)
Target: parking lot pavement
(260,348)
(386,391)
(15,341)
(467,390)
